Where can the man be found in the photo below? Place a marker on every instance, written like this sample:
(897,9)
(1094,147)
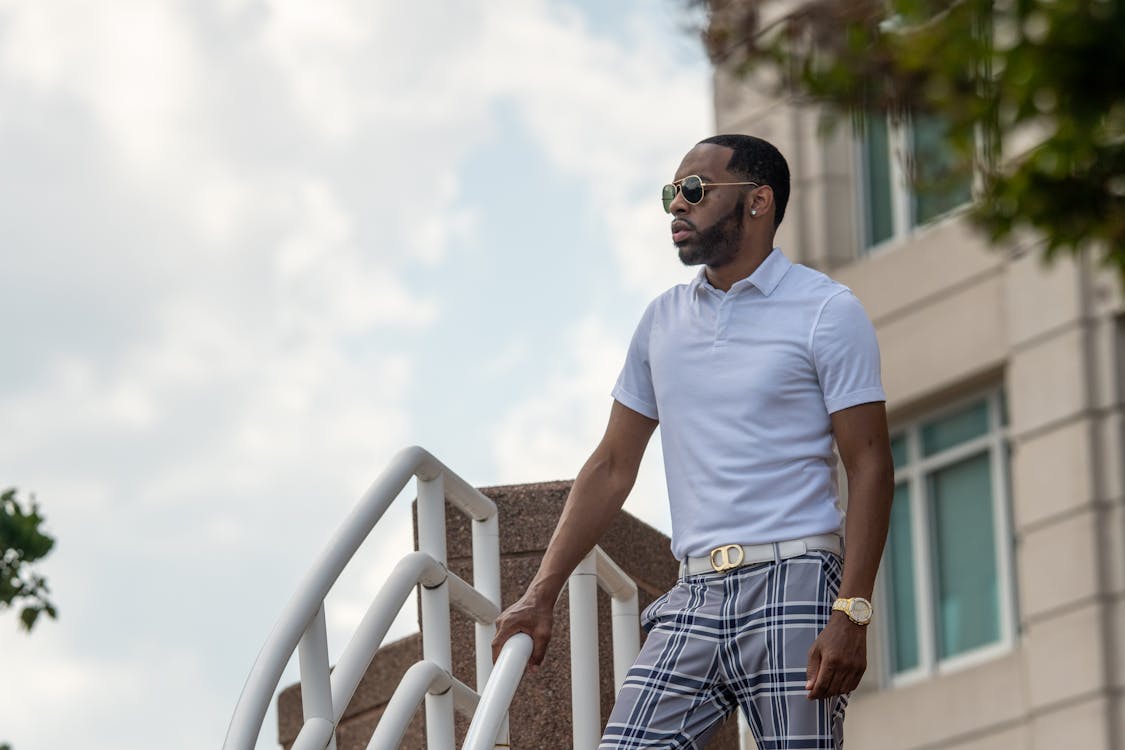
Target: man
(751,370)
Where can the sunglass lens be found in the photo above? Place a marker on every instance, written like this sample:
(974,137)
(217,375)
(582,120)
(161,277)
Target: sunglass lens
(668,195)
(692,188)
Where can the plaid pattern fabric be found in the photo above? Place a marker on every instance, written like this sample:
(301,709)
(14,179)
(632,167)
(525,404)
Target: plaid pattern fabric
(718,641)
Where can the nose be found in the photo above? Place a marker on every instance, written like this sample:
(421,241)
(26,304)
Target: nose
(679,204)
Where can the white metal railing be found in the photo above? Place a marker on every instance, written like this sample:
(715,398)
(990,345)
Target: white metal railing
(498,693)
(301,627)
(325,692)
(597,569)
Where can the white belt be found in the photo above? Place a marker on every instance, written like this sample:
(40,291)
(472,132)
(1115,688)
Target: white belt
(730,556)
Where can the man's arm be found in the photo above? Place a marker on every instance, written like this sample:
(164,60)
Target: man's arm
(838,658)
(597,495)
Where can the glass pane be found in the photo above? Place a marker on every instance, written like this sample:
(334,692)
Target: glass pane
(898,451)
(962,425)
(877,166)
(964,556)
(900,556)
(941,183)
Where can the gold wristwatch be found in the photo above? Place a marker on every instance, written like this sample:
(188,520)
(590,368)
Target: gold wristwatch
(857,609)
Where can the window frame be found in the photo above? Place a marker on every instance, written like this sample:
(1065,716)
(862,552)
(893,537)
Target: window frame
(904,220)
(996,443)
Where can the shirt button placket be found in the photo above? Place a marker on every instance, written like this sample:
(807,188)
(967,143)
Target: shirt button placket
(722,319)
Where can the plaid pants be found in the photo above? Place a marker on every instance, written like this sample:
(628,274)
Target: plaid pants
(720,641)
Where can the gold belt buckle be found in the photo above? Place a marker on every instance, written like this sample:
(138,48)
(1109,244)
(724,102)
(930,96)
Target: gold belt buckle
(724,558)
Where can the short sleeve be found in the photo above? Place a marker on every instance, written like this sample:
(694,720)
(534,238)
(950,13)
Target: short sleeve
(846,354)
(634,385)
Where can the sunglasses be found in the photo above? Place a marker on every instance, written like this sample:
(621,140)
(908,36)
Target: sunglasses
(692,189)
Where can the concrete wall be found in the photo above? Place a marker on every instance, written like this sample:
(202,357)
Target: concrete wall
(953,316)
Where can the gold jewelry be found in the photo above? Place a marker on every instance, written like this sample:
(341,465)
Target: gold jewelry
(727,557)
(858,609)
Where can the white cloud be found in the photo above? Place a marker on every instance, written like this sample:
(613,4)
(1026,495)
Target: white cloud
(335,285)
(233,215)
(317,46)
(550,435)
(133,63)
(108,691)
(615,117)
(643,106)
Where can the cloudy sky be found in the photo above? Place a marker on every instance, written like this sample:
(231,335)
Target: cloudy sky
(251,248)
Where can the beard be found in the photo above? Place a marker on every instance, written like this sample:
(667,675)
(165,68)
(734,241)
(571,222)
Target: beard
(718,245)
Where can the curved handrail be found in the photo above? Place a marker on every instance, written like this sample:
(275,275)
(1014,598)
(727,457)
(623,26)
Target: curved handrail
(422,678)
(314,735)
(498,693)
(326,692)
(265,675)
(416,567)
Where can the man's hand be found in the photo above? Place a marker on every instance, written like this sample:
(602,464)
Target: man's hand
(528,615)
(837,659)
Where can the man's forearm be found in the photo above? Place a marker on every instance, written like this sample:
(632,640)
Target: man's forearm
(596,497)
(870,491)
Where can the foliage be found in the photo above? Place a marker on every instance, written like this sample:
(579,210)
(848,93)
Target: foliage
(22,543)
(1039,80)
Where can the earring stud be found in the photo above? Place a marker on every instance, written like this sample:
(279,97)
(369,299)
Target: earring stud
(753,212)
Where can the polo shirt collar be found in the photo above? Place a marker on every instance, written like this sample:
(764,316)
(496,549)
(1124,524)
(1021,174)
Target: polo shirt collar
(766,277)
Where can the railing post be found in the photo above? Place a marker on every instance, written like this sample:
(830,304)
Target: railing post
(626,610)
(316,683)
(585,695)
(626,637)
(486,579)
(745,738)
(436,647)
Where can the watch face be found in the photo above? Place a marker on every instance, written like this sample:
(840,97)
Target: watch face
(861,610)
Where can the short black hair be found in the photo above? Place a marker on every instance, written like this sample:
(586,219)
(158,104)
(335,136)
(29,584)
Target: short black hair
(758,160)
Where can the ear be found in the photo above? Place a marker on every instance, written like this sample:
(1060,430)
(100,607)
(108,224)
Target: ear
(761,201)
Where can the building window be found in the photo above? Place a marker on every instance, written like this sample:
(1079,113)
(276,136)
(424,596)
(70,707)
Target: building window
(946,573)
(889,155)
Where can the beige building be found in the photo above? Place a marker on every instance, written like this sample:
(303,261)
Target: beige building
(1000,608)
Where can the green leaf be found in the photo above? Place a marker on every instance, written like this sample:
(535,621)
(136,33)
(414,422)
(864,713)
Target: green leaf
(22,543)
(28,617)
(987,70)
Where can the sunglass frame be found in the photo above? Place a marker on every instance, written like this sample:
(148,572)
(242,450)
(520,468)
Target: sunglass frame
(669,191)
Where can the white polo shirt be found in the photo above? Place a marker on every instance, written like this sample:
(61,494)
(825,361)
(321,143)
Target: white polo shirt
(742,383)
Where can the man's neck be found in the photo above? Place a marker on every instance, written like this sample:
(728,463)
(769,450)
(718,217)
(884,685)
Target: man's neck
(744,264)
